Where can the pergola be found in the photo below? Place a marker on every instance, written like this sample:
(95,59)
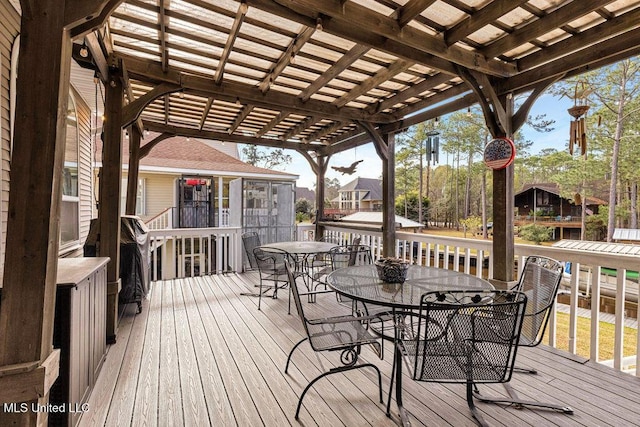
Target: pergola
(318,77)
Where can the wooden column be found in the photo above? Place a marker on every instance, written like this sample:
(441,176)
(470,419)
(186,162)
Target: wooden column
(503,201)
(134,166)
(388,197)
(28,364)
(110,182)
(323,161)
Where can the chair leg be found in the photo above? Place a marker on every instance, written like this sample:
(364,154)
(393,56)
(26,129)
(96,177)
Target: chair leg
(286,368)
(474,411)
(515,400)
(335,371)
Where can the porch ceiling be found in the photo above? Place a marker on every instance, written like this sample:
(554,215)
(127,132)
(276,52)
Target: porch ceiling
(304,73)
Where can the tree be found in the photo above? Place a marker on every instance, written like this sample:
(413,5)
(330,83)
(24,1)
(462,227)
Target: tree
(614,90)
(268,158)
(331,187)
(536,233)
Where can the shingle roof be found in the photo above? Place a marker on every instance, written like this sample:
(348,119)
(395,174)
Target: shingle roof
(553,188)
(371,185)
(180,153)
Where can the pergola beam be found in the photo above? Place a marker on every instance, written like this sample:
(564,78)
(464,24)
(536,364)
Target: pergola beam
(539,27)
(150,71)
(286,58)
(233,34)
(334,70)
(223,136)
(372,24)
(487,15)
(410,10)
(381,76)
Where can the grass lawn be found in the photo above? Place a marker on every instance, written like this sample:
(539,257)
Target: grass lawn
(607,334)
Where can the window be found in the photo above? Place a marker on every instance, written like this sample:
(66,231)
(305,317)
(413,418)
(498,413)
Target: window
(140,197)
(70,207)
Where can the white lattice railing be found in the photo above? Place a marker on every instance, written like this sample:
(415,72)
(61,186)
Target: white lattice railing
(190,252)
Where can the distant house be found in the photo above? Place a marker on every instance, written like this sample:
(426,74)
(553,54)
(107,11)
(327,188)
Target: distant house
(361,194)
(188,179)
(542,204)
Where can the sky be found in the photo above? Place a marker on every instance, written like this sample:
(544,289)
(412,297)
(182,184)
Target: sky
(371,167)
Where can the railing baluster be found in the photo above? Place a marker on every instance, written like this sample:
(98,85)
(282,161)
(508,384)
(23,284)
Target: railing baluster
(594,345)
(618,345)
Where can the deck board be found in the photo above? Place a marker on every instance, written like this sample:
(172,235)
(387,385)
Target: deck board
(202,354)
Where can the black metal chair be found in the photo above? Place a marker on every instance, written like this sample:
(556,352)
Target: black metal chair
(250,241)
(463,337)
(540,280)
(271,268)
(343,334)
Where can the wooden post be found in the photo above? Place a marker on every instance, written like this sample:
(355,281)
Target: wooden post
(388,197)
(323,161)
(32,239)
(134,164)
(110,182)
(503,200)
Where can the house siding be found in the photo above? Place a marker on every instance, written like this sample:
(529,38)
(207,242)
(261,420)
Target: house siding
(9,28)
(159,192)
(86,161)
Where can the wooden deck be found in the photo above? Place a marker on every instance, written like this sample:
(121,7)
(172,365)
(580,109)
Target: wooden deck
(202,354)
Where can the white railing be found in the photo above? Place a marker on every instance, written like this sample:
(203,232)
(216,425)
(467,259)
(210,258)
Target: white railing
(190,252)
(586,279)
(162,221)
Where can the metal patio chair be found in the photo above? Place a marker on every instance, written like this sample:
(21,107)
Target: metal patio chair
(250,241)
(343,334)
(540,280)
(271,268)
(467,337)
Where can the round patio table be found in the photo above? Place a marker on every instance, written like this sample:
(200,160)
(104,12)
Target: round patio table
(299,249)
(362,283)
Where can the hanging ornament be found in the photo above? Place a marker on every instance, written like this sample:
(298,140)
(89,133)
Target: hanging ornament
(578,128)
(350,170)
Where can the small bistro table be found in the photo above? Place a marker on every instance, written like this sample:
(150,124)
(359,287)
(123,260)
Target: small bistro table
(361,283)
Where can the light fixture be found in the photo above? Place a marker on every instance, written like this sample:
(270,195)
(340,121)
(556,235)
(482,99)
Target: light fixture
(319,24)
(437,122)
(84,51)
(468,111)
(188,139)
(293,58)
(244,8)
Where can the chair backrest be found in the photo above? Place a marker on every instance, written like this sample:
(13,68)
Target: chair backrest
(540,280)
(269,262)
(350,255)
(250,241)
(467,336)
(296,295)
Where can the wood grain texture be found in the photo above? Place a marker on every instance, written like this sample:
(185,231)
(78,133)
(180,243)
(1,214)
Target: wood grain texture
(229,370)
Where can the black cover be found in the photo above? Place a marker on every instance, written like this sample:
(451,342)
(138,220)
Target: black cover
(134,257)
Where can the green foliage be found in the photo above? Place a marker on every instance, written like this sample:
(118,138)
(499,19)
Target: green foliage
(472,223)
(303,206)
(536,233)
(411,200)
(267,158)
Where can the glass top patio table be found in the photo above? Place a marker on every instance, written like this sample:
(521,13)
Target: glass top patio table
(299,248)
(363,284)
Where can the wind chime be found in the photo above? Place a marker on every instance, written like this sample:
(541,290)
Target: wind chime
(578,128)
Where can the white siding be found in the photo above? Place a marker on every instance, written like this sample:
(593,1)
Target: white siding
(159,192)
(9,27)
